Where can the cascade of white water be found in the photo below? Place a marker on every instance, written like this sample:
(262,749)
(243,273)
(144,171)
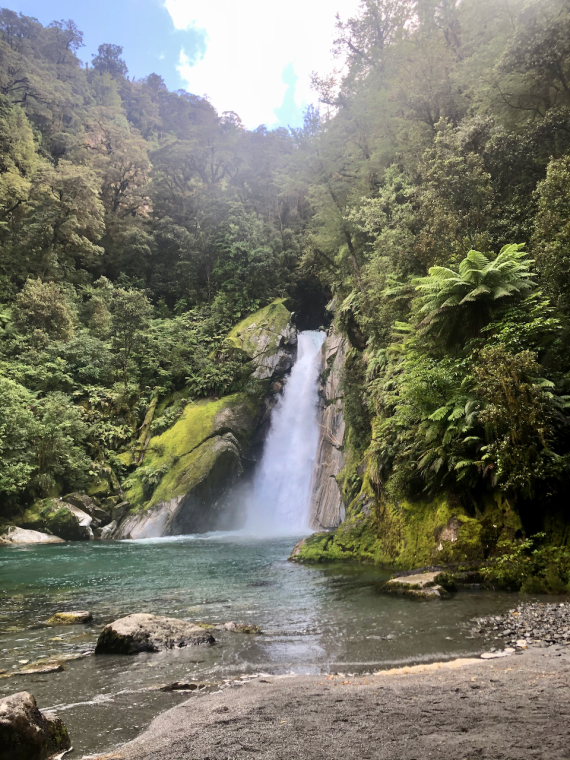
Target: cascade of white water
(279,497)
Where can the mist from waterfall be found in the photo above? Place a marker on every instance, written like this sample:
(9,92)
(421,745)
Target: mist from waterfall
(278,499)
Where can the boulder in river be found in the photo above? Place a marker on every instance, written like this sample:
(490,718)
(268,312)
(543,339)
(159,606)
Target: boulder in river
(419,585)
(74,617)
(149,633)
(22,536)
(60,518)
(28,734)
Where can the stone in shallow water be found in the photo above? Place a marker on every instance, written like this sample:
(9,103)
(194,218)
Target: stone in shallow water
(75,617)
(149,633)
(28,734)
(421,585)
(241,627)
(23,536)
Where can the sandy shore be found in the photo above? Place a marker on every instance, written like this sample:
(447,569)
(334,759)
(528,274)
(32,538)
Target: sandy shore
(514,708)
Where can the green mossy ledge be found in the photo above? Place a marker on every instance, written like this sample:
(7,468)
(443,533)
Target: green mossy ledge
(188,469)
(408,535)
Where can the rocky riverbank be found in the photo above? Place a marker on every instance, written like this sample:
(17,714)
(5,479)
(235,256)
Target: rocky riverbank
(512,708)
(529,624)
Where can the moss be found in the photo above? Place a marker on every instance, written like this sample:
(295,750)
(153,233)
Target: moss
(407,534)
(182,456)
(70,618)
(51,516)
(272,319)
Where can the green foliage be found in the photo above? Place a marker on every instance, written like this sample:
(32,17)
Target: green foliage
(455,305)
(530,566)
(43,308)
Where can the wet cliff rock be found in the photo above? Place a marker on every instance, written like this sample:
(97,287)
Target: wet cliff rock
(327,508)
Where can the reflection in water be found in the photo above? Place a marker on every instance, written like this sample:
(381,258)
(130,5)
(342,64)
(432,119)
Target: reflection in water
(316,619)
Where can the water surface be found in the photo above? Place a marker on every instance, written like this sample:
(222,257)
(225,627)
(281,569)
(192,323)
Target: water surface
(315,619)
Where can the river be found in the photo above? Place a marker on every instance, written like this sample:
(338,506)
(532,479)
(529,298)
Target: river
(314,619)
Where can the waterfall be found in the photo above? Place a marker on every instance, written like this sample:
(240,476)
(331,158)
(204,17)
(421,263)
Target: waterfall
(278,499)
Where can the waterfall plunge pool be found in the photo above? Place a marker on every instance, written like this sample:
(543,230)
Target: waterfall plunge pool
(315,619)
(323,619)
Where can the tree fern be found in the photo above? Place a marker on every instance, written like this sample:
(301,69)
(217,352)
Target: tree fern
(454,306)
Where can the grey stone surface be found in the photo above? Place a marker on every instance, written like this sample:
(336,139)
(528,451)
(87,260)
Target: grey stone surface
(141,632)
(327,508)
(28,734)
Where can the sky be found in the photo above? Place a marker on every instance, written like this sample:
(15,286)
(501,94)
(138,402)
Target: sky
(254,57)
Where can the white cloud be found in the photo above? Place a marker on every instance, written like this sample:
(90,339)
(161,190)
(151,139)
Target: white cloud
(249,43)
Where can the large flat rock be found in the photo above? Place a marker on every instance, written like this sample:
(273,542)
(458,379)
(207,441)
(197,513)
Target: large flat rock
(150,633)
(421,585)
(23,536)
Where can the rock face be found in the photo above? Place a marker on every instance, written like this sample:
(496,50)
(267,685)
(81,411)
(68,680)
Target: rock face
(23,536)
(182,484)
(149,633)
(269,339)
(197,462)
(327,508)
(28,734)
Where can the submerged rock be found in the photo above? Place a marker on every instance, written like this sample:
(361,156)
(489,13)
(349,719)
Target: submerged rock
(186,686)
(150,633)
(23,536)
(28,734)
(75,617)
(41,667)
(241,627)
(420,585)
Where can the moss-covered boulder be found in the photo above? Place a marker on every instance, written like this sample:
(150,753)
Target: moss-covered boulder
(268,338)
(59,518)
(73,617)
(188,470)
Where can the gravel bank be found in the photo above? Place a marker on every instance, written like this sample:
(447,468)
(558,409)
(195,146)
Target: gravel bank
(513,708)
(536,624)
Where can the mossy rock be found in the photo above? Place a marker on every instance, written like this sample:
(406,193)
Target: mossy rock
(181,458)
(408,535)
(272,319)
(57,518)
(77,617)
(268,338)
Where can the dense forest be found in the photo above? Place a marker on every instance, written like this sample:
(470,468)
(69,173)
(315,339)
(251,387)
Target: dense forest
(427,200)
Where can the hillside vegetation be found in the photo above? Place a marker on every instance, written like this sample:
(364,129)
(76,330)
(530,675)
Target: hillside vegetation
(429,198)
